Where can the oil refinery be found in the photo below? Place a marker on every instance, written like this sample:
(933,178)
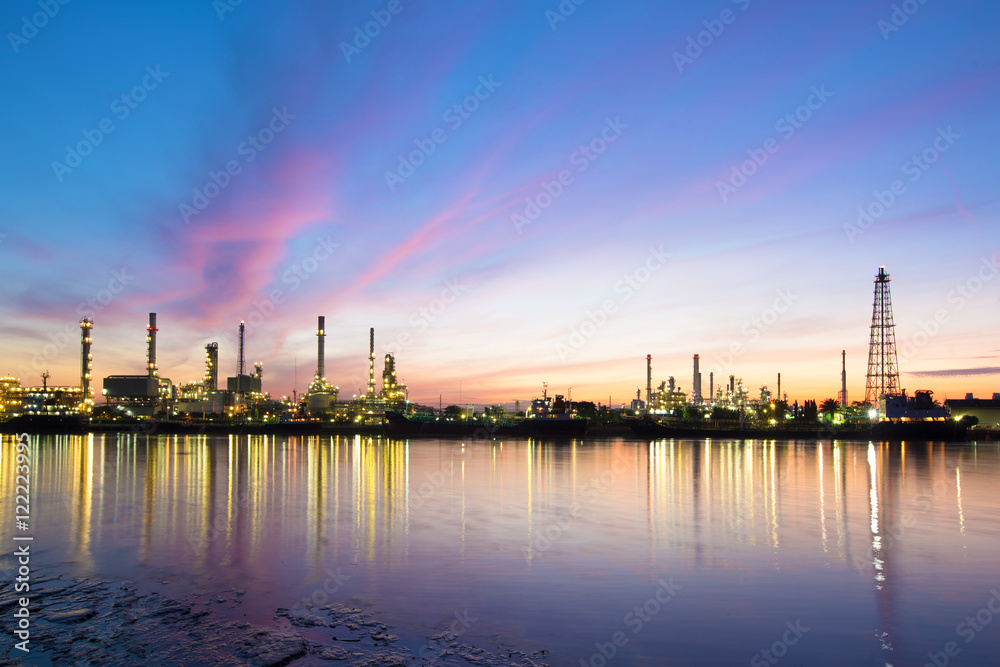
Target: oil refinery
(242,398)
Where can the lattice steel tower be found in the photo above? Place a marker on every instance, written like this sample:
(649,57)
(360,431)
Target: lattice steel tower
(883,368)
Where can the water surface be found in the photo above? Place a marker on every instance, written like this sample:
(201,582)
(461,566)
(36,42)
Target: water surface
(669,552)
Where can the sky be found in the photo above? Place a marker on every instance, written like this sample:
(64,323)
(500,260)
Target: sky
(509,193)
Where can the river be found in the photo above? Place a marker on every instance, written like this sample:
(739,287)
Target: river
(591,552)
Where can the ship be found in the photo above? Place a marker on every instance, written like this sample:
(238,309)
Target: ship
(546,418)
(915,417)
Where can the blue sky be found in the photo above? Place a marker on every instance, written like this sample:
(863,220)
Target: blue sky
(507,193)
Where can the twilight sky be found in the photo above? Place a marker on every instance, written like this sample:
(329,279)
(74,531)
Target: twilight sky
(510,193)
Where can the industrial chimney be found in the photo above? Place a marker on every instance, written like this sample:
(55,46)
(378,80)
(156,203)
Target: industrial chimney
(649,381)
(371,363)
(843,378)
(241,360)
(86,324)
(696,384)
(151,346)
(320,353)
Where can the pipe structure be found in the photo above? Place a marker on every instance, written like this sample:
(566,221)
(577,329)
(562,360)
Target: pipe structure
(211,381)
(151,346)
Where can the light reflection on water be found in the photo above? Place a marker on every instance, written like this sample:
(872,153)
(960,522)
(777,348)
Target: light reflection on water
(880,550)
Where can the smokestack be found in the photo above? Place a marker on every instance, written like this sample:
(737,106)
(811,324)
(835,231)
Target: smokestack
(843,378)
(211,381)
(241,359)
(696,384)
(86,324)
(779,387)
(320,356)
(151,346)
(711,385)
(732,384)
(649,380)
(371,363)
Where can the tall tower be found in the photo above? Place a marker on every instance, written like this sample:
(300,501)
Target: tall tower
(86,361)
(151,346)
(211,381)
(883,368)
(241,359)
(843,378)
(696,382)
(649,382)
(371,363)
(320,352)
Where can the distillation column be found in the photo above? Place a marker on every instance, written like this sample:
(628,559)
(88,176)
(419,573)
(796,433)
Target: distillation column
(86,361)
(151,346)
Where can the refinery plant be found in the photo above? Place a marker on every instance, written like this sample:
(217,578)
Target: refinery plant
(242,398)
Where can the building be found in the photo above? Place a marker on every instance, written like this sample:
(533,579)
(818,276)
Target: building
(321,395)
(142,395)
(987,410)
(392,392)
(17,400)
(668,397)
(57,401)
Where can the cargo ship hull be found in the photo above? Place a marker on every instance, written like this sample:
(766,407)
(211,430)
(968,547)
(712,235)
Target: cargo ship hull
(945,431)
(398,424)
